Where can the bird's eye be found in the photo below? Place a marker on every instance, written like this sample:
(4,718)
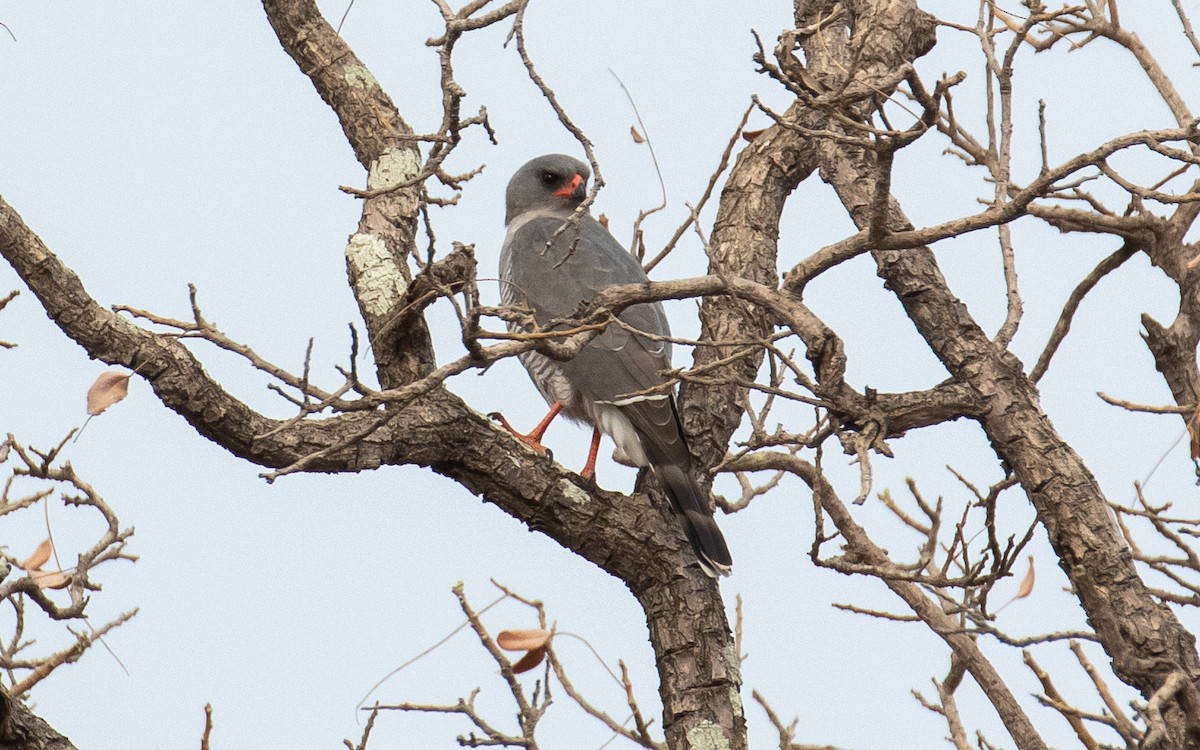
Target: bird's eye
(549,178)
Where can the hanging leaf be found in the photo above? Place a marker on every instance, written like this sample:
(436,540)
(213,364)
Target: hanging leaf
(38,558)
(530,660)
(1026,587)
(522,640)
(108,389)
(50,579)
(637,137)
(532,641)
(750,135)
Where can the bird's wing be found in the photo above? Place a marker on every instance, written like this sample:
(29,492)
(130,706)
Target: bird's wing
(618,364)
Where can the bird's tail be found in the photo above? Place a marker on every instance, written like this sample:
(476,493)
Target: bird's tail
(698,523)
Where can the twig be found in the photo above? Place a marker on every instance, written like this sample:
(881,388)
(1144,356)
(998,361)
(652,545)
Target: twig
(527,712)
(518,32)
(1063,326)
(366,735)
(1147,408)
(1157,733)
(712,182)
(637,246)
(948,709)
(208,710)
(338,30)
(1051,692)
(1131,734)
(640,736)
(786,733)
(1187,25)
(69,655)
(440,642)
(894,617)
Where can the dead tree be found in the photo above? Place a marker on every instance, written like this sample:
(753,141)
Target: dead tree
(859,98)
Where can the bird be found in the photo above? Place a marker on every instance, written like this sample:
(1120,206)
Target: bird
(554,259)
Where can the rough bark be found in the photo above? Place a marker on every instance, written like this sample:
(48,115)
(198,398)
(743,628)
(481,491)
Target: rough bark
(852,69)
(1145,640)
(21,729)
(377,253)
(744,244)
(1174,346)
(860,546)
(634,539)
(686,690)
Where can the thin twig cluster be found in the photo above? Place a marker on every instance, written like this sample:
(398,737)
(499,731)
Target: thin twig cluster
(36,480)
(531,704)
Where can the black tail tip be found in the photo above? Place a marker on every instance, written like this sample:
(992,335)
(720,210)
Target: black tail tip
(712,568)
(701,529)
(709,544)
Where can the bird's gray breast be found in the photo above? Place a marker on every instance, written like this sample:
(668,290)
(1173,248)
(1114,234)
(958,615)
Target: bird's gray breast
(552,269)
(523,256)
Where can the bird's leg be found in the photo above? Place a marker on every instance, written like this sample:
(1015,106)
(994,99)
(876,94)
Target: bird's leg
(589,468)
(534,438)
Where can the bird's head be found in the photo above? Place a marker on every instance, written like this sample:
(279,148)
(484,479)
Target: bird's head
(550,181)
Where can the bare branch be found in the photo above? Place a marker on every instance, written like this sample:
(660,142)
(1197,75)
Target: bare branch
(1063,326)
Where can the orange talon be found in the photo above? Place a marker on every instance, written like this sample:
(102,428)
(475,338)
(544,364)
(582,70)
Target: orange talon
(534,438)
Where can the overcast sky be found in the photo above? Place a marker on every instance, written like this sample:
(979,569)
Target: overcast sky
(154,145)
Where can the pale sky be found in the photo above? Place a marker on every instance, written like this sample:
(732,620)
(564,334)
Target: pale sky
(152,147)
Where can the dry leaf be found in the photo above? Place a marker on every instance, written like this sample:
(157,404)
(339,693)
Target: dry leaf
(38,558)
(1026,587)
(637,137)
(108,389)
(50,579)
(750,135)
(522,640)
(603,219)
(530,660)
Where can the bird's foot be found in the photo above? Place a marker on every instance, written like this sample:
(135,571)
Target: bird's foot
(533,439)
(589,481)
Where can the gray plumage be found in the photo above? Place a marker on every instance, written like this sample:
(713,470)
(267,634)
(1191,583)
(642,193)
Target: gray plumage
(598,385)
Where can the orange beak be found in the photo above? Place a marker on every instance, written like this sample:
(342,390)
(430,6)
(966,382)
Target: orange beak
(566,191)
